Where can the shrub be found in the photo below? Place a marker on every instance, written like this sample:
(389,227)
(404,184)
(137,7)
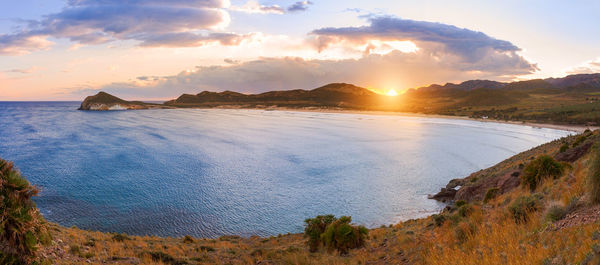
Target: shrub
(75,250)
(313,229)
(579,140)
(164,258)
(463,231)
(593,180)
(465,210)
(523,205)
(459,203)
(119,237)
(207,248)
(490,194)
(555,212)
(188,239)
(542,167)
(21,225)
(438,219)
(564,148)
(343,236)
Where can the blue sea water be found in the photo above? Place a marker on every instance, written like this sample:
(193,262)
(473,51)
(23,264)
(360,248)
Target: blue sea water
(213,172)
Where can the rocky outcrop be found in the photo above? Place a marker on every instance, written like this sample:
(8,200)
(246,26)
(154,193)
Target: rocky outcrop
(572,154)
(504,183)
(445,195)
(105,101)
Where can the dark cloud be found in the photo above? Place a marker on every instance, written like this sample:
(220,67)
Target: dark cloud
(299,6)
(100,21)
(469,44)
(187,39)
(181,3)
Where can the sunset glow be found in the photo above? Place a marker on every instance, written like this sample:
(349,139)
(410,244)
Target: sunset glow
(392,93)
(161,49)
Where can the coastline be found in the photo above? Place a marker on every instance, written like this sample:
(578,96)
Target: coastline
(565,127)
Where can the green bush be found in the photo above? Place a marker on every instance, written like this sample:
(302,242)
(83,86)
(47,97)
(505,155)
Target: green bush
(524,205)
(188,239)
(564,147)
(463,231)
(313,229)
(459,203)
(164,258)
(580,139)
(21,225)
(120,237)
(438,219)
(490,194)
(593,181)
(555,212)
(542,167)
(465,210)
(342,236)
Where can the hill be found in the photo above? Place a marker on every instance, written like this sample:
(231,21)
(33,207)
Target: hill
(105,101)
(336,95)
(572,99)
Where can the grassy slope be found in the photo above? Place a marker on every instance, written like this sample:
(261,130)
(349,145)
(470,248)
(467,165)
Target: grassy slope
(488,234)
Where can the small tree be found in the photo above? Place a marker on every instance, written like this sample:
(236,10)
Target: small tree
(313,229)
(343,236)
(21,225)
(542,167)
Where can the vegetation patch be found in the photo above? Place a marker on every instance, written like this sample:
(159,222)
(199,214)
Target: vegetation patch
(334,234)
(593,179)
(490,194)
(555,212)
(542,167)
(314,228)
(524,205)
(342,236)
(22,227)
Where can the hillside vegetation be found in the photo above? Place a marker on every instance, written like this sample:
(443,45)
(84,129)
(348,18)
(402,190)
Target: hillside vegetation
(494,217)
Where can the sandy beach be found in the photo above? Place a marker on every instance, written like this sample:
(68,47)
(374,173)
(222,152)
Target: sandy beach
(565,127)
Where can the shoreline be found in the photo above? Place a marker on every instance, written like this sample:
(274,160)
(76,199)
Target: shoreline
(571,128)
(563,127)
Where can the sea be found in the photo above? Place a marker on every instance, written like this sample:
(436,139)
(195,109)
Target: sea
(214,172)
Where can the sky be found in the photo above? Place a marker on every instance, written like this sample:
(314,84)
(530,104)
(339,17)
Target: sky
(159,49)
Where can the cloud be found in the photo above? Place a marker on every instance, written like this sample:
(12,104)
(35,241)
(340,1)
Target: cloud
(299,6)
(395,69)
(24,71)
(254,7)
(101,21)
(22,44)
(186,39)
(436,37)
(180,3)
(589,67)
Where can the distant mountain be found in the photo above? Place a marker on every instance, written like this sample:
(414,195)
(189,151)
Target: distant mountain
(587,80)
(332,95)
(570,81)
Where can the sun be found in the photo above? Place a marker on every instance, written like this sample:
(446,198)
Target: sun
(392,93)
